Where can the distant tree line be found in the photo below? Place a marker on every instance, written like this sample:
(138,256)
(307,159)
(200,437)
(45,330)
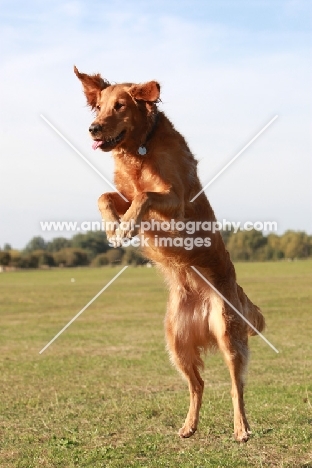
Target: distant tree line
(254,246)
(90,249)
(94,250)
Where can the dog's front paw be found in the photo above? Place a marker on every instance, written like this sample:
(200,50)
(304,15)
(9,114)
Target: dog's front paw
(110,227)
(128,228)
(115,238)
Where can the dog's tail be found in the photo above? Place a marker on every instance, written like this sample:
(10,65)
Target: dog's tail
(251,312)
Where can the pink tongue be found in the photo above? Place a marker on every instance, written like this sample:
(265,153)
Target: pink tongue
(96,144)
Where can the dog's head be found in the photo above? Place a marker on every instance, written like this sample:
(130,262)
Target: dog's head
(124,112)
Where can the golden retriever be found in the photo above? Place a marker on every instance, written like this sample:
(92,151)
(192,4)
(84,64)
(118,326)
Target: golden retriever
(156,173)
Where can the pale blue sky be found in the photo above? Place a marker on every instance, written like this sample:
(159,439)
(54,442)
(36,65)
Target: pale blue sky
(226,68)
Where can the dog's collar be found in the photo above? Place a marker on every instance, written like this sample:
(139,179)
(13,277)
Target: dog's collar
(142,151)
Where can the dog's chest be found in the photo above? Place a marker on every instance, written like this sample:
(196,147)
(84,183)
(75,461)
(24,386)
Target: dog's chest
(138,177)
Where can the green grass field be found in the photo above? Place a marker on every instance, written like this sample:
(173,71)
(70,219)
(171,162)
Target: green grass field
(105,395)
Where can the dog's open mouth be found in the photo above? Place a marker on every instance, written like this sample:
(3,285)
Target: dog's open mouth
(108,143)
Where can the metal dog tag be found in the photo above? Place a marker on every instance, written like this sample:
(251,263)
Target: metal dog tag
(142,151)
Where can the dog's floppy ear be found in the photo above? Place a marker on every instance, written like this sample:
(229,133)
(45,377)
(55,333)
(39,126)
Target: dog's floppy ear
(92,86)
(148,92)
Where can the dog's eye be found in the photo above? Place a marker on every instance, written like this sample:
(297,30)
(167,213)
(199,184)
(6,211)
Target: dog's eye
(98,108)
(118,105)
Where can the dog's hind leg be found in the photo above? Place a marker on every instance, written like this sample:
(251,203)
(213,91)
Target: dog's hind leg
(233,343)
(184,351)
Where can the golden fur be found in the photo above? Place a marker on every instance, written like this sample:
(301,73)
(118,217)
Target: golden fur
(159,186)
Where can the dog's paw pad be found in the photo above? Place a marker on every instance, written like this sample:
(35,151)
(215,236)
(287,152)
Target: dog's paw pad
(242,436)
(185,432)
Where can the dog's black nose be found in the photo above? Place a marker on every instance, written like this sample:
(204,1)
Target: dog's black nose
(95,128)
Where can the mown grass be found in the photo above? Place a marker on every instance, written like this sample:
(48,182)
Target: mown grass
(104,394)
